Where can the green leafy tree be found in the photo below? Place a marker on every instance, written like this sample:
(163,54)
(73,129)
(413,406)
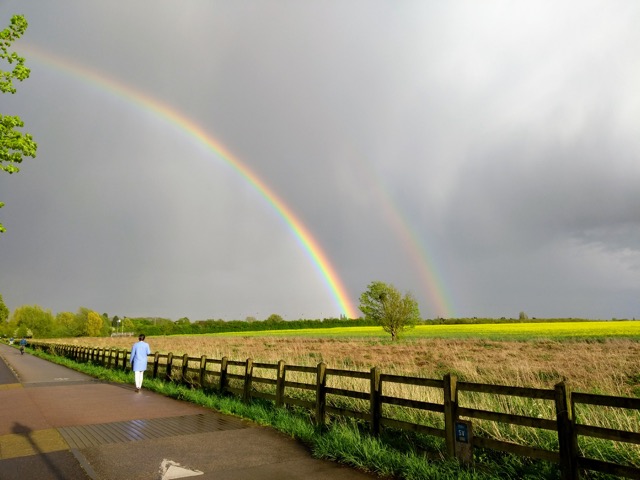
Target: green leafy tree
(22,331)
(127,325)
(4,312)
(167,328)
(274,318)
(14,145)
(66,325)
(34,318)
(383,304)
(93,327)
(4,319)
(81,322)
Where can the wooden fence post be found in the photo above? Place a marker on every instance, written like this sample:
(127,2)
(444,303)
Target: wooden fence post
(280,378)
(375,400)
(156,361)
(223,374)
(566,437)
(450,412)
(167,374)
(203,370)
(124,360)
(116,361)
(248,377)
(321,393)
(185,366)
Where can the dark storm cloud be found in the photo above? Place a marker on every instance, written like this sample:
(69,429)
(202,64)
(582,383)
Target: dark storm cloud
(504,135)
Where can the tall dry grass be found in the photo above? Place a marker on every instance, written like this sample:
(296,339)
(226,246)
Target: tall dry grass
(608,367)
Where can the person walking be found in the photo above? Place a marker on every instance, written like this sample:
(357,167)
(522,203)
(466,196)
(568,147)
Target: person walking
(138,360)
(23,343)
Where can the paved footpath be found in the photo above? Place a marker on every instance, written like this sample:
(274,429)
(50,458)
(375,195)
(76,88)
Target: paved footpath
(56,423)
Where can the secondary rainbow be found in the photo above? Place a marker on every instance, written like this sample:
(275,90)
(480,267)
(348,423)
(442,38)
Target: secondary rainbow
(174,117)
(431,281)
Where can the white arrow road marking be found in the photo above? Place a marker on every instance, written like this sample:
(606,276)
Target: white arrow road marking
(170,470)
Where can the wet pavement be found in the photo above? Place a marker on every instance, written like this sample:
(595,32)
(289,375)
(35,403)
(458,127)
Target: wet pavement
(56,423)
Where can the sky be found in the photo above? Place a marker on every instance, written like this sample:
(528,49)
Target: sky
(232,159)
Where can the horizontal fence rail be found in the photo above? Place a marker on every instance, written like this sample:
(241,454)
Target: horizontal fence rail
(269,381)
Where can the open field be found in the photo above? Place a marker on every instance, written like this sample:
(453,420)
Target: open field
(605,364)
(593,364)
(494,331)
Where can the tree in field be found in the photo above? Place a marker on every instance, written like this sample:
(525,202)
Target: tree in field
(14,145)
(384,304)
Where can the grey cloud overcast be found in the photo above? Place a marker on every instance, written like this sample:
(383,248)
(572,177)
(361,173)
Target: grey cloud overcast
(500,138)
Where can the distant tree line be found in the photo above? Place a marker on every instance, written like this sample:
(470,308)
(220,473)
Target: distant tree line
(35,321)
(162,326)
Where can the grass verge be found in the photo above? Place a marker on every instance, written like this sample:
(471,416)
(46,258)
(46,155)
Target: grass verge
(346,441)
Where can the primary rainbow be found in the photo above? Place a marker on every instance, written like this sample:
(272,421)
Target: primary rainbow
(177,119)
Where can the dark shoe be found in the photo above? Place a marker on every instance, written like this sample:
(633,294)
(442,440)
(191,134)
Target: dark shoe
(137,390)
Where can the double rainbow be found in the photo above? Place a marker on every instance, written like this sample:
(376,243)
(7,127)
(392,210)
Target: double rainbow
(197,132)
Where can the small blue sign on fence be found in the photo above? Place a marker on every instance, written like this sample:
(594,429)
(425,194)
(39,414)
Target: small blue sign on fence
(462,432)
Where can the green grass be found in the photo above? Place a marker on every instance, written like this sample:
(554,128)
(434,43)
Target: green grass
(500,331)
(401,455)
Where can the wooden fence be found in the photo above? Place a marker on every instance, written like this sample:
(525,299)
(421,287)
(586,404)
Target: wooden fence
(240,378)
